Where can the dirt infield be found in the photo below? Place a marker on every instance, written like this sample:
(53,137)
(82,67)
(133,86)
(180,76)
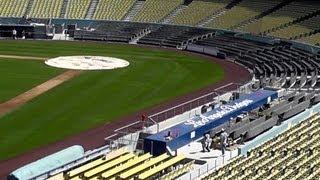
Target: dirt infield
(95,137)
(36,91)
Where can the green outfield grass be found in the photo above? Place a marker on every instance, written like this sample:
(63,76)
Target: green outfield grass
(18,76)
(98,97)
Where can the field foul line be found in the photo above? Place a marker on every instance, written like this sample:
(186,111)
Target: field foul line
(27,96)
(22,57)
(222,87)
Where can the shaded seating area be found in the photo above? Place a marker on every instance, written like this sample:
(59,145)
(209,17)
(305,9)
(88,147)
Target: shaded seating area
(172,36)
(111,31)
(277,64)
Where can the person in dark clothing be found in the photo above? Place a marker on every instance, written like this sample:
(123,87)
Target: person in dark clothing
(223,141)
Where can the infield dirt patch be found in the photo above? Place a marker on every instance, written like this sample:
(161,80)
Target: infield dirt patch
(36,91)
(22,57)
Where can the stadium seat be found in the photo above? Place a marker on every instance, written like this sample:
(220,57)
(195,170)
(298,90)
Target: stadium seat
(13,8)
(46,8)
(278,157)
(245,10)
(155,10)
(110,156)
(112,9)
(199,10)
(77,9)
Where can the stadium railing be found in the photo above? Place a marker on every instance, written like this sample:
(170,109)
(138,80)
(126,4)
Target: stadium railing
(234,157)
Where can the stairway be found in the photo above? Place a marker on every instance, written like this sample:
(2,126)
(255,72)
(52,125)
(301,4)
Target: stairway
(64,9)
(260,16)
(92,9)
(168,19)
(218,13)
(209,19)
(298,20)
(29,7)
(134,10)
(136,38)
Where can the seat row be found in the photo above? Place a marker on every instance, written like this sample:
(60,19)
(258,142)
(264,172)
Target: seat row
(112,9)
(156,10)
(290,155)
(123,164)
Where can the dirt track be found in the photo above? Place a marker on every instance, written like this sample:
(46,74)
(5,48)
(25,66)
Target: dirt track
(94,138)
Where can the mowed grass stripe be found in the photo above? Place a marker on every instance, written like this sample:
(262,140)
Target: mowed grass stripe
(18,76)
(98,97)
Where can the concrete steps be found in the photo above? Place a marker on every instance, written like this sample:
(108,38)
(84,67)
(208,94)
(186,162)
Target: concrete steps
(169,18)
(135,39)
(29,7)
(64,8)
(92,9)
(134,10)
(209,19)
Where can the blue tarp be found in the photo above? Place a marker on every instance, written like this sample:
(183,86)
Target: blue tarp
(192,129)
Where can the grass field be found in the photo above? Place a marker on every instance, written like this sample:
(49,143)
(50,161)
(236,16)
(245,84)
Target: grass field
(17,76)
(93,98)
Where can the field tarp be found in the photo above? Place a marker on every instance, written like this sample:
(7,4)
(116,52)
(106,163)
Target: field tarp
(48,163)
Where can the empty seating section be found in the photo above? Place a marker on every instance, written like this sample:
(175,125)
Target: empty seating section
(46,8)
(155,10)
(146,165)
(98,162)
(291,155)
(172,35)
(122,164)
(107,166)
(131,163)
(153,171)
(313,39)
(77,9)
(13,8)
(281,65)
(245,10)
(283,15)
(111,31)
(300,28)
(112,9)
(199,10)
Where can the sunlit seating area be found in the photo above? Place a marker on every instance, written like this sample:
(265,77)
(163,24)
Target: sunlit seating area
(112,9)
(245,10)
(13,8)
(123,164)
(313,39)
(291,155)
(199,10)
(46,8)
(155,10)
(288,13)
(298,29)
(77,9)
